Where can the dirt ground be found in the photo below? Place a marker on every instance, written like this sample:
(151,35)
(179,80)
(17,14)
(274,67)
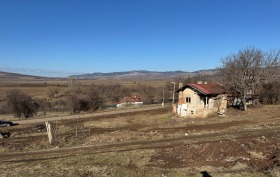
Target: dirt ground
(148,143)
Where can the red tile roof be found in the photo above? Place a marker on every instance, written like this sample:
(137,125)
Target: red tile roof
(205,89)
(130,99)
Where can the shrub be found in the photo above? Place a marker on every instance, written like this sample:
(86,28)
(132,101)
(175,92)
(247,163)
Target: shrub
(270,93)
(20,104)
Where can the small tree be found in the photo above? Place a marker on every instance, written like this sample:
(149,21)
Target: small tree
(116,92)
(78,103)
(84,104)
(270,93)
(248,70)
(21,104)
(73,102)
(95,97)
(44,106)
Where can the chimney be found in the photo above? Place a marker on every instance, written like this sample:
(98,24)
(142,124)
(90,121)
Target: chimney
(181,85)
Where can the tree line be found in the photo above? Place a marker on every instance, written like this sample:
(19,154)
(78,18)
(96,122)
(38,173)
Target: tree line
(77,98)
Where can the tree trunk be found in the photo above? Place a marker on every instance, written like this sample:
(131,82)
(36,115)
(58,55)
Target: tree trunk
(244,102)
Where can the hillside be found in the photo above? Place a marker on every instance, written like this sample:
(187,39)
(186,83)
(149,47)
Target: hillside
(135,74)
(138,74)
(16,78)
(8,75)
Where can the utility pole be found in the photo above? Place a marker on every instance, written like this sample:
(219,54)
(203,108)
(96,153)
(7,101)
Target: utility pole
(163,97)
(173,92)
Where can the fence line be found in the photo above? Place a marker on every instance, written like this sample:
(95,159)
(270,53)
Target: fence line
(88,115)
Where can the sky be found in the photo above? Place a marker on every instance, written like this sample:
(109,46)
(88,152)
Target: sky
(64,37)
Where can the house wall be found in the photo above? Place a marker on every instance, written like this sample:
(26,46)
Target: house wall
(191,108)
(198,107)
(217,104)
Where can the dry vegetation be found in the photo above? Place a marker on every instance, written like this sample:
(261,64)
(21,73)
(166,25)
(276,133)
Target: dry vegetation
(40,87)
(148,143)
(142,143)
(75,96)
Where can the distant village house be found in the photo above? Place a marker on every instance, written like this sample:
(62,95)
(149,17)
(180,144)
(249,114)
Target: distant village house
(130,101)
(200,100)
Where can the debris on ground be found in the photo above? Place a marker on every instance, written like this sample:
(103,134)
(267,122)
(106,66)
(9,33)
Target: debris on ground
(5,134)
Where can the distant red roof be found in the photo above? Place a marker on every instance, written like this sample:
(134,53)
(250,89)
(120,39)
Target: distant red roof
(205,89)
(130,99)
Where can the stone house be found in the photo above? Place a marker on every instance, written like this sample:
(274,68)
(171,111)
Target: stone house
(200,100)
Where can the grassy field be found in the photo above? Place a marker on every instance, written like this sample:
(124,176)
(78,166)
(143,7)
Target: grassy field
(148,143)
(40,87)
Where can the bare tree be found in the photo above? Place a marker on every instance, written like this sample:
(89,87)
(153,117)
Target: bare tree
(272,63)
(117,92)
(270,93)
(147,93)
(44,105)
(21,104)
(248,69)
(73,102)
(95,97)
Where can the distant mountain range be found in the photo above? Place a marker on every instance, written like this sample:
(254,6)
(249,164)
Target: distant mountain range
(39,72)
(8,75)
(144,74)
(137,74)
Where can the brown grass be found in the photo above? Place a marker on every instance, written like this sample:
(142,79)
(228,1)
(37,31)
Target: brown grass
(40,87)
(153,143)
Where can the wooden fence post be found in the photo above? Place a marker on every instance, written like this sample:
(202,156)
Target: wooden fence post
(50,132)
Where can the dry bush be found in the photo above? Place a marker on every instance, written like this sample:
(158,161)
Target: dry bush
(270,93)
(52,92)
(59,105)
(95,96)
(3,108)
(78,103)
(20,104)
(44,106)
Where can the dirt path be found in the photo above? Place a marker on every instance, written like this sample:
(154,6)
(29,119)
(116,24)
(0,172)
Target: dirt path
(136,145)
(124,143)
(87,115)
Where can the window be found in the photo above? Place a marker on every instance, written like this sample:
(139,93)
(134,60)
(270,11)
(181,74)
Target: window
(188,99)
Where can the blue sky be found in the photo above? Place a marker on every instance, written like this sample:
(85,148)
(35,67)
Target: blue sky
(62,37)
